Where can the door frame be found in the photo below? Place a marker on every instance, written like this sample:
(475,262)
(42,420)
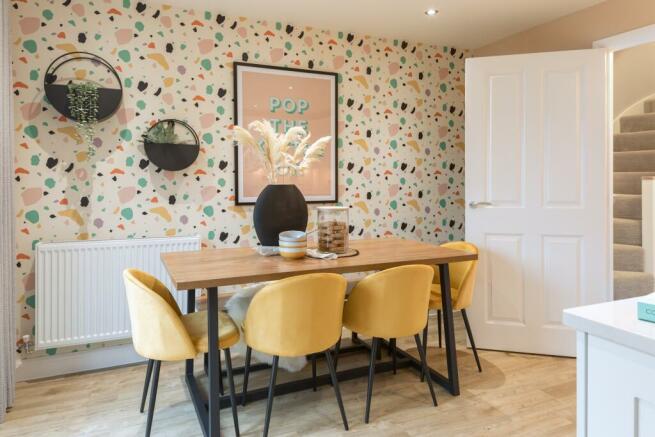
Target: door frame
(614,43)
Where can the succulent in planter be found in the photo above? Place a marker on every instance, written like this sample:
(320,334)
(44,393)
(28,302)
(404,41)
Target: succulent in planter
(83,106)
(162,133)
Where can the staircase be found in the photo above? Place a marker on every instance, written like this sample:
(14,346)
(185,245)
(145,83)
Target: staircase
(634,157)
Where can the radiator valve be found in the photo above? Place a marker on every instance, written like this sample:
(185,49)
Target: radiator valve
(25,344)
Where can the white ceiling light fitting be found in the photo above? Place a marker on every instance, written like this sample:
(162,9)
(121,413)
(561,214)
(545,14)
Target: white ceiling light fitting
(431,12)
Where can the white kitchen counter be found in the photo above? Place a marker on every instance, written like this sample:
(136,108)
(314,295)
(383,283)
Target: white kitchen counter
(615,370)
(615,321)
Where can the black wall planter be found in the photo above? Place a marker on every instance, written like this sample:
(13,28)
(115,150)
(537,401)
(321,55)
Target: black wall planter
(173,157)
(109,99)
(279,208)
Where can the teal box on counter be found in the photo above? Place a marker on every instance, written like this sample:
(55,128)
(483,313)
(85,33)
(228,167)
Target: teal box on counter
(646,309)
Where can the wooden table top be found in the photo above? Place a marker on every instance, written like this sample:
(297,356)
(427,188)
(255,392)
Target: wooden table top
(242,265)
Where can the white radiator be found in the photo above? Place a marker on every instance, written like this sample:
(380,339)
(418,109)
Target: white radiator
(80,295)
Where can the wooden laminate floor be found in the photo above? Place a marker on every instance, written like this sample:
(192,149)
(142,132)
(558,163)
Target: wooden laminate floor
(522,395)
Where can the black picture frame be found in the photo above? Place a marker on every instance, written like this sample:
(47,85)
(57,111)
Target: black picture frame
(335,76)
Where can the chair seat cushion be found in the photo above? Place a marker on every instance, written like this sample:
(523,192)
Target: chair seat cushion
(196,326)
(435,296)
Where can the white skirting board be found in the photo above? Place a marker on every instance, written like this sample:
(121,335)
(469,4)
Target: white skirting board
(48,366)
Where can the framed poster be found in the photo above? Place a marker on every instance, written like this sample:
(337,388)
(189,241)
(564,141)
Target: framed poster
(286,97)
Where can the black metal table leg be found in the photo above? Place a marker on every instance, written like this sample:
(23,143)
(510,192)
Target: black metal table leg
(449,329)
(439,326)
(190,308)
(213,428)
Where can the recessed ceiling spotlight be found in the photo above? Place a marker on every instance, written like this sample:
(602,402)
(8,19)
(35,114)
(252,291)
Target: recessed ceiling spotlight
(431,12)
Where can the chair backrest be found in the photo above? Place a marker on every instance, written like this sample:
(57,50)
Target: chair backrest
(296,316)
(391,303)
(157,329)
(462,274)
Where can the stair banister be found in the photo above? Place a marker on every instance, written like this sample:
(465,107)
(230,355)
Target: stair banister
(648,222)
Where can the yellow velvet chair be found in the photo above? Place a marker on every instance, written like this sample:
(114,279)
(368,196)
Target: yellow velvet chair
(462,283)
(390,304)
(160,332)
(292,317)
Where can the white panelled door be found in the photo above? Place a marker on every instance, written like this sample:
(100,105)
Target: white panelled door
(538,195)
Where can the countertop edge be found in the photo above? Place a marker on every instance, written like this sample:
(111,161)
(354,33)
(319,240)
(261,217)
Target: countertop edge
(617,334)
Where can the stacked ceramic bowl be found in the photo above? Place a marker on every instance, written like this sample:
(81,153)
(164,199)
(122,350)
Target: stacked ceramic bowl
(293,244)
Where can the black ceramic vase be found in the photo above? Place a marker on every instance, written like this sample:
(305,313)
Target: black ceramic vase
(279,208)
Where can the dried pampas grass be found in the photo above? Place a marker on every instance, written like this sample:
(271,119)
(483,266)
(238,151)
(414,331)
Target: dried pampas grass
(284,154)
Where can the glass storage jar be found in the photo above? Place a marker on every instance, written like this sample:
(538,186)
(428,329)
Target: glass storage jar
(332,225)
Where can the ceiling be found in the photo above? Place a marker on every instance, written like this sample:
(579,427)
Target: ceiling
(465,24)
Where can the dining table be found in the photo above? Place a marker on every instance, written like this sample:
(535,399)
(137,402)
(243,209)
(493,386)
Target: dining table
(213,268)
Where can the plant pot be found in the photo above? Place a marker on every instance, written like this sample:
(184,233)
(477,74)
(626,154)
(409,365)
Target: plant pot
(109,100)
(173,157)
(279,208)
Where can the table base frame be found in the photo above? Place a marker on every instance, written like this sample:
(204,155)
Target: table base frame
(207,409)
(403,360)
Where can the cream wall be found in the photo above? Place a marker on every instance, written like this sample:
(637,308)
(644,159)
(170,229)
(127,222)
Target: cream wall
(634,76)
(578,30)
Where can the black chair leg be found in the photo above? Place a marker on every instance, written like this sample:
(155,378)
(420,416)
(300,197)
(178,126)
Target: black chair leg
(470,334)
(371,372)
(220,374)
(205,363)
(392,351)
(233,398)
(424,364)
(425,345)
(153,396)
(439,326)
(145,385)
(246,372)
(335,384)
(337,349)
(314,372)
(271,394)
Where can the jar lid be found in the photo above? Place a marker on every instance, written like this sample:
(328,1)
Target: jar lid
(332,208)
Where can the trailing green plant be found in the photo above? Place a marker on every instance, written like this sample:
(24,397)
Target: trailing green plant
(162,133)
(83,106)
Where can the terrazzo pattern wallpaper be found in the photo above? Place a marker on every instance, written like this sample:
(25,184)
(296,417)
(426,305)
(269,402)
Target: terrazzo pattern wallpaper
(401,139)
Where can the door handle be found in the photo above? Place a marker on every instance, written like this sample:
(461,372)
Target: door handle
(478,204)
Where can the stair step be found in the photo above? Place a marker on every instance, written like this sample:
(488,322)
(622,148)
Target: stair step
(629,182)
(628,258)
(638,160)
(632,284)
(649,106)
(627,206)
(625,142)
(637,123)
(627,231)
